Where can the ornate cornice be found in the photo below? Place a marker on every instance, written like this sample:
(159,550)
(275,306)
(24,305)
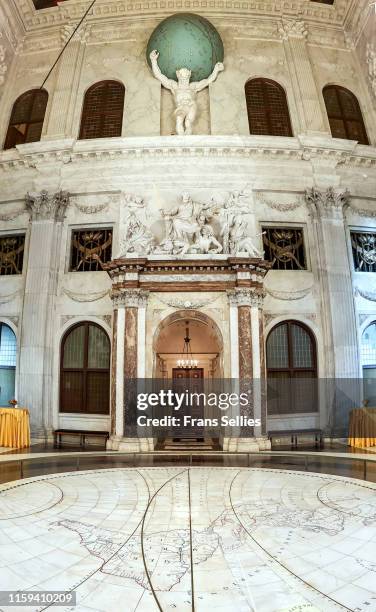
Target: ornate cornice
(47,207)
(266,148)
(110,9)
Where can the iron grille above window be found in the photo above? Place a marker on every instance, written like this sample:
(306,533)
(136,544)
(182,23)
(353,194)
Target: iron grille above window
(11,254)
(91,248)
(364,251)
(284,248)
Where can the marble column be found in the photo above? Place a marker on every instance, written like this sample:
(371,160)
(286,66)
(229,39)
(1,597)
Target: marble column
(249,303)
(341,350)
(294,35)
(130,306)
(47,212)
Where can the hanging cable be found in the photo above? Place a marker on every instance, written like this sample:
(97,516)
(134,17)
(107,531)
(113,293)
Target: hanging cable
(67,43)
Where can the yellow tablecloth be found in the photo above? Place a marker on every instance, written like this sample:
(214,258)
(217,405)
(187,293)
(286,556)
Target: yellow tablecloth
(14,427)
(362,427)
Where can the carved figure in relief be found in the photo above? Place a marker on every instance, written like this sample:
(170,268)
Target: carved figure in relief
(184,222)
(206,242)
(138,239)
(233,224)
(184,92)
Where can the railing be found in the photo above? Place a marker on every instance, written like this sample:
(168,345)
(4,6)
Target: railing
(359,467)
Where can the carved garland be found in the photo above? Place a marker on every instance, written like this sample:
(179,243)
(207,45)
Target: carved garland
(280,206)
(367,295)
(289,295)
(85,297)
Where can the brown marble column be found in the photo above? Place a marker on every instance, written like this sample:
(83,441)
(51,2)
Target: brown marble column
(113,371)
(263,373)
(245,343)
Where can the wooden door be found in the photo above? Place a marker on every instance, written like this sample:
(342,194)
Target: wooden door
(192,381)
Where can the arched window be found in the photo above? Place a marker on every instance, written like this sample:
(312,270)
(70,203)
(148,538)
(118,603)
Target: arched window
(267,108)
(102,115)
(85,370)
(8,356)
(344,114)
(291,369)
(26,121)
(368,360)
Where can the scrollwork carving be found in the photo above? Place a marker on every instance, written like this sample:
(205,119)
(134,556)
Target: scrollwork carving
(130,298)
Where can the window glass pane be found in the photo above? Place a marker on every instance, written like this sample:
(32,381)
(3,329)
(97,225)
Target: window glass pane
(368,346)
(99,348)
(98,389)
(301,345)
(267,108)
(72,392)
(277,348)
(102,115)
(344,114)
(74,348)
(8,346)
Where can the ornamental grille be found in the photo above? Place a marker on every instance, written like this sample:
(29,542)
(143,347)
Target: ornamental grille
(26,122)
(102,115)
(364,251)
(344,114)
(267,108)
(11,254)
(284,248)
(91,249)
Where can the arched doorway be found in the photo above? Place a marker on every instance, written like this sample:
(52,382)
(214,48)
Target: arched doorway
(205,349)
(206,344)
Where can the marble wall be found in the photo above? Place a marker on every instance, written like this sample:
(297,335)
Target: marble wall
(221,157)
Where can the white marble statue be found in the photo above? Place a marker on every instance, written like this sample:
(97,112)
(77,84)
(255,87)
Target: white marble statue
(139,239)
(233,224)
(184,222)
(184,92)
(205,242)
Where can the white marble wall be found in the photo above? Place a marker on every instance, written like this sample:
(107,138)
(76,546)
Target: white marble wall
(222,157)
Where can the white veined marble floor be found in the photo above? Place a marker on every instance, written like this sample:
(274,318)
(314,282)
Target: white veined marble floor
(203,539)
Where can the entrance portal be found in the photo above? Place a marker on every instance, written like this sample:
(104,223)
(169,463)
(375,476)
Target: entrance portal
(188,365)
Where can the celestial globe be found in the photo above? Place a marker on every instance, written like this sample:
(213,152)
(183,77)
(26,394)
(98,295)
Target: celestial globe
(185,40)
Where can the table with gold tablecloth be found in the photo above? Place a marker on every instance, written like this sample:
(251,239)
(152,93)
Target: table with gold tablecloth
(362,427)
(14,427)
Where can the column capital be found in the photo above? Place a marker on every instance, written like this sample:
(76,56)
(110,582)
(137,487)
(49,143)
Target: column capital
(44,206)
(130,298)
(246,297)
(292,28)
(329,203)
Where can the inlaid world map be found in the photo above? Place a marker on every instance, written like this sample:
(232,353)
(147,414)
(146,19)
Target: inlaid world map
(199,539)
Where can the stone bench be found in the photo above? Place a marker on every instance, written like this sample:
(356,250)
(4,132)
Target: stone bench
(295,433)
(79,433)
